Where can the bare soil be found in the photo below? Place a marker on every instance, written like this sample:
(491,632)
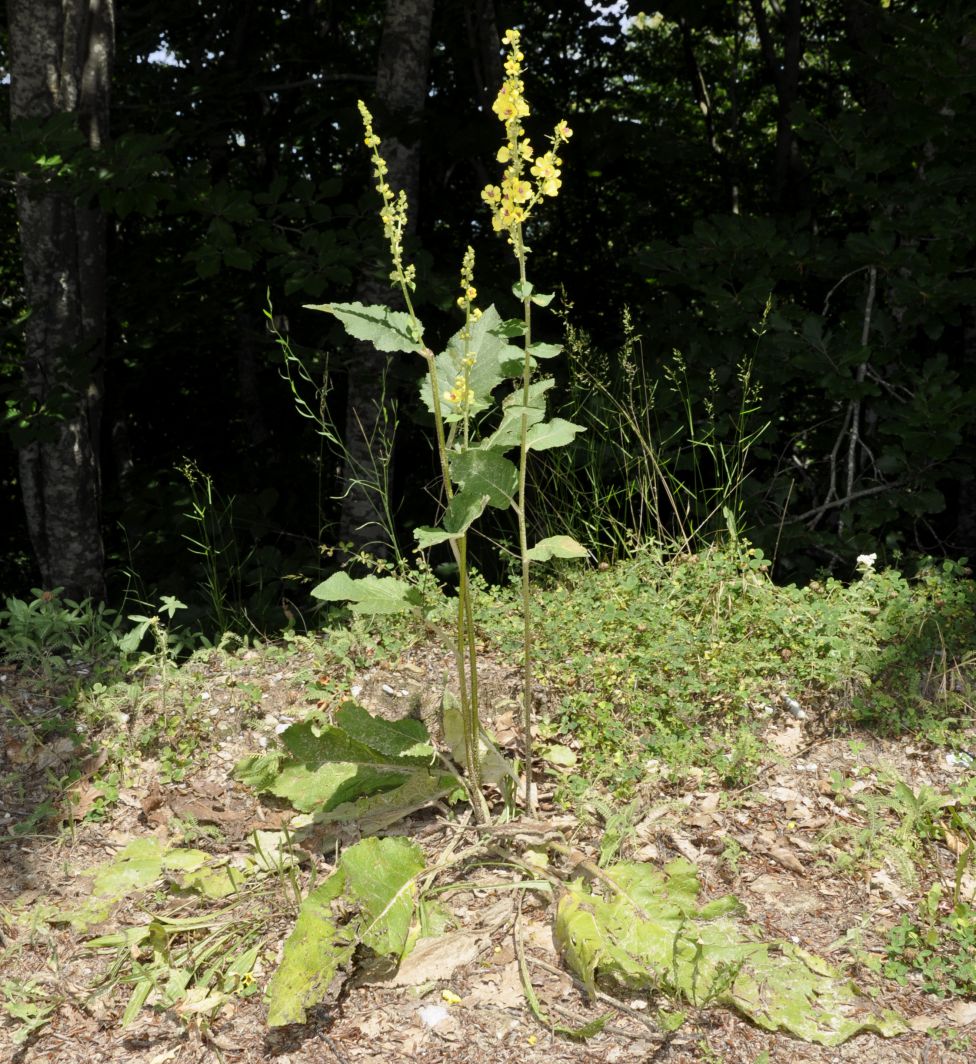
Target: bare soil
(770,844)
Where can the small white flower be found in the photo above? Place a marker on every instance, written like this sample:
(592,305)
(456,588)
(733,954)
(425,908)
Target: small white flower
(865,562)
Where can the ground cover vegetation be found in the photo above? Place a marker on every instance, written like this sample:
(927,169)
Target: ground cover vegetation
(572,772)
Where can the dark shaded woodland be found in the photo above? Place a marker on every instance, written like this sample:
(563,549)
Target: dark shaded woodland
(779,192)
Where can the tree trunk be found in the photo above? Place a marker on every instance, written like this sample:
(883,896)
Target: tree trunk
(401,88)
(789,184)
(61,60)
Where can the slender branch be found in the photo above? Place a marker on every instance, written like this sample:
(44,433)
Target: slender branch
(855,434)
(863,493)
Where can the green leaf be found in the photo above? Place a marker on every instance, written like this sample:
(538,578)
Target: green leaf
(376,812)
(406,737)
(369,594)
(385,329)
(541,350)
(509,328)
(462,511)
(556,547)
(522,289)
(377,880)
(555,433)
(509,431)
(381,875)
(486,473)
(648,932)
(484,376)
(542,300)
(335,768)
(312,955)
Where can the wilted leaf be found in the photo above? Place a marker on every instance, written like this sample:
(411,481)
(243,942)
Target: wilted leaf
(313,952)
(650,934)
(495,767)
(378,877)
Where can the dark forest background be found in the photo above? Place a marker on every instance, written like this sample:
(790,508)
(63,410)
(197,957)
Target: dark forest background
(780,191)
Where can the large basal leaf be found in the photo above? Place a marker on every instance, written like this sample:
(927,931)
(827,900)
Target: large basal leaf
(369,594)
(376,812)
(381,876)
(312,955)
(486,473)
(377,881)
(330,767)
(385,329)
(556,547)
(549,434)
(649,933)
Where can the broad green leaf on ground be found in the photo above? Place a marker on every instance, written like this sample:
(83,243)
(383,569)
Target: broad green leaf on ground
(406,737)
(385,329)
(486,473)
(555,433)
(376,812)
(381,877)
(136,867)
(484,376)
(556,547)
(461,513)
(334,767)
(648,932)
(312,955)
(369,594)
(377,879)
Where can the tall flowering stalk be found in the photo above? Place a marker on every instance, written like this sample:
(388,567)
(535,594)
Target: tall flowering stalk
(454,406)
(460,386)
(512,203)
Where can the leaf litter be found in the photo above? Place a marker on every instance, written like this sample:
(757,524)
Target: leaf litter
(382,1020)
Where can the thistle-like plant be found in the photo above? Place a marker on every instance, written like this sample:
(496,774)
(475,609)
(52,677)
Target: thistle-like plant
(474,427)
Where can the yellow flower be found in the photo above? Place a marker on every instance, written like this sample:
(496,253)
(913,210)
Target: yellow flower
(511,37)
(563,131)
(491,194)
(504,154)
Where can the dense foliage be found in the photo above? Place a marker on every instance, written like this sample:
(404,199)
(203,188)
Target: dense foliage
(802,172)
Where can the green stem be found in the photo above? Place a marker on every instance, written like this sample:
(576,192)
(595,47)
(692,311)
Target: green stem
(469,697)
(530,804)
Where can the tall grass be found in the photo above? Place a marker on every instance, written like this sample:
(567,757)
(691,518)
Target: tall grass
(627,480)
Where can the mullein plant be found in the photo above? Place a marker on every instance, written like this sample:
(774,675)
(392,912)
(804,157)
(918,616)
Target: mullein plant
(474,428)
